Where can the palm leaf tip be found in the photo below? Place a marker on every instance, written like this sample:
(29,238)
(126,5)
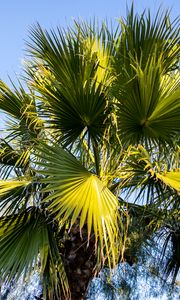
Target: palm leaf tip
(7,185)
(171,179)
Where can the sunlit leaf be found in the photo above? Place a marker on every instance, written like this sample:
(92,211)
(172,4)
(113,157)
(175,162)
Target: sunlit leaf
(76,193)
(171,179)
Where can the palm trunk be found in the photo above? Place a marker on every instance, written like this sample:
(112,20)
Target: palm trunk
(80,262)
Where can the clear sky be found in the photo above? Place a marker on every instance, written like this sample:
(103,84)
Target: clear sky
(16,16)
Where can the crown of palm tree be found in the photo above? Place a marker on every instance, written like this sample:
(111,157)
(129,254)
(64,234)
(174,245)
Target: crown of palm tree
(101,116)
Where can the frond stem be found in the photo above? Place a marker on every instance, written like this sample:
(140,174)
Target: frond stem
(96,157)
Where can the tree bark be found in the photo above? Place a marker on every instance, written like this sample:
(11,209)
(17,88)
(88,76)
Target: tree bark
(80,261)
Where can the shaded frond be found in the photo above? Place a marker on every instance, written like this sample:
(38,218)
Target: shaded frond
(9,102)
(146,90)
(148,105)
(27,240)
(71,72)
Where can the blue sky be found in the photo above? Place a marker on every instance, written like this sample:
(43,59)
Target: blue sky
(18,15)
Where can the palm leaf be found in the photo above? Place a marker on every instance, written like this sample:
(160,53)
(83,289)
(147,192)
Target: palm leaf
(12,159)
(141,35)
(148,105)
(71,71)
(76,194)
(171,179)
(27,239)
(147,51)
(7,185)
(15,195)
(14,199)
(8,160)
(154,180)
(9,102)
(21,107)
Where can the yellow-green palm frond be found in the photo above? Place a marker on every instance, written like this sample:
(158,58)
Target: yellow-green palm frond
(9,102)
(15,195)
(150,176)
(171,179)
(7,185)
(77,194)
(99,46)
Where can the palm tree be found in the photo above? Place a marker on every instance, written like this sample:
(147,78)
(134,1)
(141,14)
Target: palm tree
(94,124)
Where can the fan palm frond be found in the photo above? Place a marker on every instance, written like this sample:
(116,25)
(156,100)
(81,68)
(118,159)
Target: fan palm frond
(21,106)
(77,193)
(76,72)
(15,195)
(12,160)
(147,51)
(148,104)
(9,102)
(27,240)
(155,181)
(141,35)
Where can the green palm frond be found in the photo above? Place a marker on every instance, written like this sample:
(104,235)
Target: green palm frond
(27,240)
(8,160)
(9,102)
(141,35)
(75,193)
(153,179)
(71,71)
(12,160)
(15,199)
(98,42)
(147,92)
(8,155)
(148,105)
(21,106)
